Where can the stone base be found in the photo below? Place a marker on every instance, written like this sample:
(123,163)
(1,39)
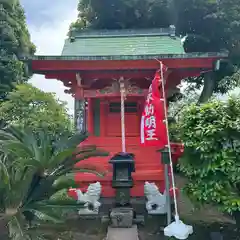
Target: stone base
(122,234)
(159,211)
(86,211)
(121,217)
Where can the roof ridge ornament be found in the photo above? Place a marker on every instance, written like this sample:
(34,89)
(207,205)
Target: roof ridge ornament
(89,33)
(172,31)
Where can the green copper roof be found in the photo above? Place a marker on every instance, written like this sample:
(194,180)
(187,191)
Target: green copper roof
(123,43)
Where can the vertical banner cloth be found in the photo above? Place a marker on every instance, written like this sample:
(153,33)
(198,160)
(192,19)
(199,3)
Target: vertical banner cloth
(153,127)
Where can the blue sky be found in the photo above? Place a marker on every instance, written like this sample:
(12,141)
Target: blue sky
(48,23)
(39,12)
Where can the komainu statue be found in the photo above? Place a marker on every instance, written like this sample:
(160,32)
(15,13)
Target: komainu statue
(90,199)
(156,202)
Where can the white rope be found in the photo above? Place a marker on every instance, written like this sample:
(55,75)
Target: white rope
(123,95)
(169,146)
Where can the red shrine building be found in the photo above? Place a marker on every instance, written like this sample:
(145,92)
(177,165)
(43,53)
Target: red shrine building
(91,64)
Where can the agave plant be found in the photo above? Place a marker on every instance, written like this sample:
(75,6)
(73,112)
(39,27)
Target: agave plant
(33,169)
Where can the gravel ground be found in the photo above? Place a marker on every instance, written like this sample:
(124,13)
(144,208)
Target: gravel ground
(201,232)
(206,222)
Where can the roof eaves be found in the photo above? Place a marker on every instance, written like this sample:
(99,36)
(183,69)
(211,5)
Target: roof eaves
(129,57)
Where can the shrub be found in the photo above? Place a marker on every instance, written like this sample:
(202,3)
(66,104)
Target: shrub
(211,135)
(35,174)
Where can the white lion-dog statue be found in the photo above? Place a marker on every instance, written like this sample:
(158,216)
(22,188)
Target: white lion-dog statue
(156,202)
(90,199)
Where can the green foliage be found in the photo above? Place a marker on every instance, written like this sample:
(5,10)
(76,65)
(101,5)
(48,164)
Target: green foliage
(27,106)
(211,25)
(122,14)
(211,135)
(14,44)
(34,173)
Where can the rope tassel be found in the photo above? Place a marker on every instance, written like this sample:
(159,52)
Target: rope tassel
(123,97)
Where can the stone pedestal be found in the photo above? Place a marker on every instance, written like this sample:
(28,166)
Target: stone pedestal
(121,217)
(122,233)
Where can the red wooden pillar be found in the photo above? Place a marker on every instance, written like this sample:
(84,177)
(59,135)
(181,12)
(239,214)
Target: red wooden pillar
(90,116)
(103,114)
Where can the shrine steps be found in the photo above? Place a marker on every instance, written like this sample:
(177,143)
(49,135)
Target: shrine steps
(144,156)
(148,166)
(139,178)
(145,170)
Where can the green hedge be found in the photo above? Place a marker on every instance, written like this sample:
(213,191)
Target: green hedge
(211,135)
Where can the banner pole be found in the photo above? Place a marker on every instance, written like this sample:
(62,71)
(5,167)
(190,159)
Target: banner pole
(168,200)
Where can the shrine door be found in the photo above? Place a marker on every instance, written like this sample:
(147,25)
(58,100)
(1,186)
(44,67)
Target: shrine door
(132,119)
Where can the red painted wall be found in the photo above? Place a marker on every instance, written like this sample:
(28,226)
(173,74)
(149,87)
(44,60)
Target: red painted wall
(147,159)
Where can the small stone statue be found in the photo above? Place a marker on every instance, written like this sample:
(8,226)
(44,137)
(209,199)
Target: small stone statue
(156,202)
(90,199)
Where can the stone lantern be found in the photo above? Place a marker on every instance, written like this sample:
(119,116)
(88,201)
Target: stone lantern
(123,166)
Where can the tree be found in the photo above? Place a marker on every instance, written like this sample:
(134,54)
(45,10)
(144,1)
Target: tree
(29,106)
(14,44)
(211,136)
(122,14)
(209,26)
(177,106)
(32,171)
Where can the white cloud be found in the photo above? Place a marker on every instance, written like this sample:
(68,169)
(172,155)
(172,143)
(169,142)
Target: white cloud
(49,39)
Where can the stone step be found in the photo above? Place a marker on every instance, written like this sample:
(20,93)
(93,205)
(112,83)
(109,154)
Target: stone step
(122,233)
